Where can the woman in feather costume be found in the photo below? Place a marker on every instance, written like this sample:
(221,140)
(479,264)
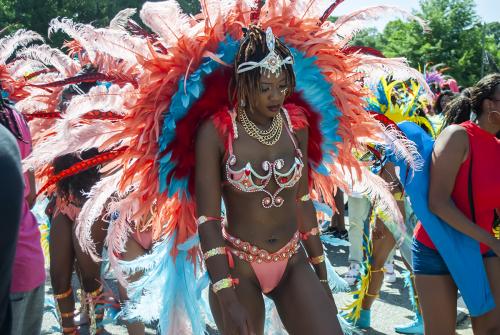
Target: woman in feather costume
(155,171)
(393,102)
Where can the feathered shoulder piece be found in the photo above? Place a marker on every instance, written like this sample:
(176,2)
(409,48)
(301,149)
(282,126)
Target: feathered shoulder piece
(401,101)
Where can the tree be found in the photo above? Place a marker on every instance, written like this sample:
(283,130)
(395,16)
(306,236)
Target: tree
(455,39)
(35,14)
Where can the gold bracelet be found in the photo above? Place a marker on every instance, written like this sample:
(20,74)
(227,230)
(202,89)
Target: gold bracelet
(67,315)
(224,283)
(317,260)
(324,280)
(96,293)
(64,295)
(214,252)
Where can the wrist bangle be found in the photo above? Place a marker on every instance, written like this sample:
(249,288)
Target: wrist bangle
(214,252)
(202,219)
(313,232)
(225,283)
(324,280)
(317,260)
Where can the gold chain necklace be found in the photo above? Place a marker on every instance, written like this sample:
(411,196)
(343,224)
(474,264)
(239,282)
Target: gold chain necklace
(268,136)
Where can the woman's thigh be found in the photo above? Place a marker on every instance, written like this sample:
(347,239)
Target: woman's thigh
(249,295)
(62,256)
(302,302)
(490,323)
(438,299)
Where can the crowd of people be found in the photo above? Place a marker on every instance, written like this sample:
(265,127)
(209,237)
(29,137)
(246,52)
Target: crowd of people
(199,161)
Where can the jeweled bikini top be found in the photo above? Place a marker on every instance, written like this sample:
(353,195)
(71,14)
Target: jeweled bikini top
(248,180)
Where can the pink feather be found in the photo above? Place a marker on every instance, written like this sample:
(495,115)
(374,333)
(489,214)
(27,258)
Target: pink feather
(20,38)
(166,19)
(51,56)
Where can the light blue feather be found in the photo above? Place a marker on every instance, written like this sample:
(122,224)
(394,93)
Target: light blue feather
(181,102)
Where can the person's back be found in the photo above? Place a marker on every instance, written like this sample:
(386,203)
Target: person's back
(10,207)
(28,272)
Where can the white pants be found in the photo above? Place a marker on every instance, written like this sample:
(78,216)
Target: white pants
(359,210)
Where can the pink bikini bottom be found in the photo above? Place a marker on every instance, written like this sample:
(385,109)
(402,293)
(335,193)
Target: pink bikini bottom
(268,268)
(144,238)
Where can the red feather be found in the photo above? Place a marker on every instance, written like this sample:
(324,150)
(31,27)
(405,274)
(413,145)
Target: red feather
(329,10)
(42,115)
(313,119)
(364,50)
(87,77)
(211,101)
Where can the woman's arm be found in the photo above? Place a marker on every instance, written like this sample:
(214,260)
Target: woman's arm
(308,223)
(32,196)
(450,150)
(389,175)
(208,206)
(208,202)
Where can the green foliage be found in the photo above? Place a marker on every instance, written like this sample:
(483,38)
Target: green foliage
(455,39)
(36,14)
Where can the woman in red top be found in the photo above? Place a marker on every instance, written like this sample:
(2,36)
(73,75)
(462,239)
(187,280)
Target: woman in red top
(459,146)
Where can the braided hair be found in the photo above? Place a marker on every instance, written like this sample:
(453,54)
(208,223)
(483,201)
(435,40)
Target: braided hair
(79,184)
(459,109)
(244,86)
(8,119)
(438,109)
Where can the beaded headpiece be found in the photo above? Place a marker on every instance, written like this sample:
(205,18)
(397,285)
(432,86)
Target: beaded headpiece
(272,63)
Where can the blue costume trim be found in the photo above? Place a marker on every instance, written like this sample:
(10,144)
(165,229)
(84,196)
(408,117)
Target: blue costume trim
(312,84)
(460,252)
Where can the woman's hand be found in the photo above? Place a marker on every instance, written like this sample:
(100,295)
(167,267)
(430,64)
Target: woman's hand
(236,319)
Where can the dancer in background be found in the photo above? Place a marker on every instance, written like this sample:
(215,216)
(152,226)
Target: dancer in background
(464,192)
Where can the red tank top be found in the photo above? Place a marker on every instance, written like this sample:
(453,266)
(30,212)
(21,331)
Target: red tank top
(485,149)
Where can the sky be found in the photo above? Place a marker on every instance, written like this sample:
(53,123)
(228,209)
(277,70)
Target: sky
(488,10)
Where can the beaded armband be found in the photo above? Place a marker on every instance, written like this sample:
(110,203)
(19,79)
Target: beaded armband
(224,283)
(214,252)
(313,232)
(97,292)
(317,260)
(305,197)
(202,219)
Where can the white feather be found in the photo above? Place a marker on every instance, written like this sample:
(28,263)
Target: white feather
(348,25)
(51,56)
(120,21)
(403,148)
(166,19)
(20,67)
(375,67)
(20,38)
(309,9)
(93,209)
(76,31)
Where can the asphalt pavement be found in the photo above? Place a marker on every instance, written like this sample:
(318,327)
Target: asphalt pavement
(391,309)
